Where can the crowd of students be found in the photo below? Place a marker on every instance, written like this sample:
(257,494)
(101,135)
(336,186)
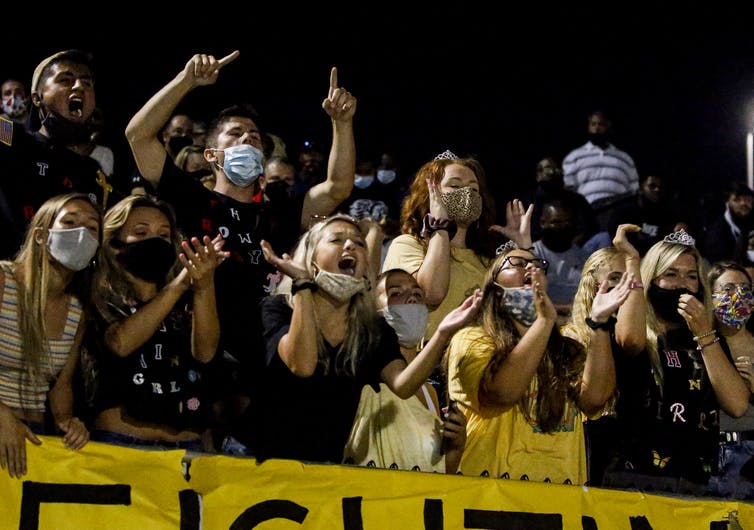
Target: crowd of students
(266,322)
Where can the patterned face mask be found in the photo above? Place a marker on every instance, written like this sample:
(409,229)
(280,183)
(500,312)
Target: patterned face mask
(734,307)
(519,302)
(464,205)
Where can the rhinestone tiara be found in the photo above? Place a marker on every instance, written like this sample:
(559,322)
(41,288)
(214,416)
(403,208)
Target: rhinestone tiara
(507,247)
(681,237)
(446,155)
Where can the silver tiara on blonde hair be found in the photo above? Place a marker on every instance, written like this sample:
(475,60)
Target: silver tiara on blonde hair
(507,247)
(446,155)
(681,237)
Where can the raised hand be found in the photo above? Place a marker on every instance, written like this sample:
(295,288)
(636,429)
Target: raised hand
(542,303)
(283,263)
(697,318)
(620,241)
(203,69)
(606,303)
(517,223)
(13,436)
(463,314)
(200,262)
(436,206)
(339,104)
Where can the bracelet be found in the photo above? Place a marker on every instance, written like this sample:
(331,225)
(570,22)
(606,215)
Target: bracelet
(431,224)
(700,347)
(706,334)
(607,326)
(636,284)
(301,284)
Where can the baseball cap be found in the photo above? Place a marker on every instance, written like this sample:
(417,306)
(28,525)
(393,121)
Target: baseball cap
(77,56)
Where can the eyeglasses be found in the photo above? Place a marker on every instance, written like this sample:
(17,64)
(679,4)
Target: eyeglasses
(521,263)
(729,288)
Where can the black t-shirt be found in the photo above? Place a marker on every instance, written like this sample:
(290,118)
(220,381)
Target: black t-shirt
(33,169)
(309,418)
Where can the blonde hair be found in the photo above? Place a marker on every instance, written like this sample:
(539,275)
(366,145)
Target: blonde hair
(31,268)
(362,322)
(576,327)
(659,258)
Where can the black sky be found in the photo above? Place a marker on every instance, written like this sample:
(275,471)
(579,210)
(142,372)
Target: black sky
(509,86)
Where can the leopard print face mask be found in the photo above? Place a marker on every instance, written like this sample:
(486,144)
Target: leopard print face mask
(464,205)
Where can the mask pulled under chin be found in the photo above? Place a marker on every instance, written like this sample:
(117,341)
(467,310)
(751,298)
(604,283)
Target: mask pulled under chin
(342,287)
(66,132)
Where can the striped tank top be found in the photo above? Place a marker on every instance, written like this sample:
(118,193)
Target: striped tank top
(16,389)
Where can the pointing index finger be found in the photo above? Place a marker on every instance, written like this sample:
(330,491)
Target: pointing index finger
(229,58)
(334,77)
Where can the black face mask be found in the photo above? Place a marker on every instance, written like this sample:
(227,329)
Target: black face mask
(66,132)
(149,259)
(599,139)
(558,239)
(550,187)
(665,302)
(278,190)
(176,143)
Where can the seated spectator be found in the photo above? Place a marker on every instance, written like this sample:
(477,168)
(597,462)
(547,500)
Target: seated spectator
(43,293)
(405,433)
(727,237)
(15,101)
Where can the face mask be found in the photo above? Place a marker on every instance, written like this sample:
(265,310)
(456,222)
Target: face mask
(340,286)
(519,302)
(665,302)
(409,322)
(149,259)
(73,248)
(558,239)
(599,139)
(278,190)
(464,205)
(242,164)
(176,143)
(15,107)
(550,186)
(362,182)
(66,132)
(385,176)
(734,309)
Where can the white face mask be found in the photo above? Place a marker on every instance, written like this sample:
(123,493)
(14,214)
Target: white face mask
(409,322)
(340,286)
(242,164)
(361,181)
(73,248)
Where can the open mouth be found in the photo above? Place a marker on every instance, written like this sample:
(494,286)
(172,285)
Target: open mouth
(347,265)
(527,280)
(76,107)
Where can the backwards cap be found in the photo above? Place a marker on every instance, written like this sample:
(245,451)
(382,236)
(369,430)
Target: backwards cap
(73,55)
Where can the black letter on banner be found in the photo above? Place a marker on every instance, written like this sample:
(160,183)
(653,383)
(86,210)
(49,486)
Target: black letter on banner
(267,511)
(191,509)
(352,513)
(640,522)
(433,518)
(35,493)
(512,520)
(588,523)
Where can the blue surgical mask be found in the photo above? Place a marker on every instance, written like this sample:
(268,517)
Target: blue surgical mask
(385,176)
(242,164)
(362,182)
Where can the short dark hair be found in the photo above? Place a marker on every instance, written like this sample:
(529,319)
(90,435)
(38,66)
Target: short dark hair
(243,110)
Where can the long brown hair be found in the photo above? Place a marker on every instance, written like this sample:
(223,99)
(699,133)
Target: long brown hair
(416,204)
(559,372)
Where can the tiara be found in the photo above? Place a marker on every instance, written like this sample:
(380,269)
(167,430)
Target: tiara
(681,237)
(446,155)
(507,247)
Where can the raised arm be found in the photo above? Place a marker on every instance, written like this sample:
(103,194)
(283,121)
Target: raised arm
(405,380)
(323,198)
(631,327)
(517,223)
(143,129)
(505,383)
(434,273)
(298,348)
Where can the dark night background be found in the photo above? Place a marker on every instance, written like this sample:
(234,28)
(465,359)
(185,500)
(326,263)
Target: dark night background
(508,86)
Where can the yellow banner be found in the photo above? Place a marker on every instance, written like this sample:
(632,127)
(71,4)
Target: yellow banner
(104,486)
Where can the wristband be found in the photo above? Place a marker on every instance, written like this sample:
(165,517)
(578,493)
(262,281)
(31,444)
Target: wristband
(607,326)
(707,334)
(710,343)
(636,284)
(432,224)
(300,284)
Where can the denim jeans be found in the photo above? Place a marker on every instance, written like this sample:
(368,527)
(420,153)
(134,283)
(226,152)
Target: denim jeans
(126,440)
(731,482)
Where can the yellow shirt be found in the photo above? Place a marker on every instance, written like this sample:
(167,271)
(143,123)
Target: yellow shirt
(501,440)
